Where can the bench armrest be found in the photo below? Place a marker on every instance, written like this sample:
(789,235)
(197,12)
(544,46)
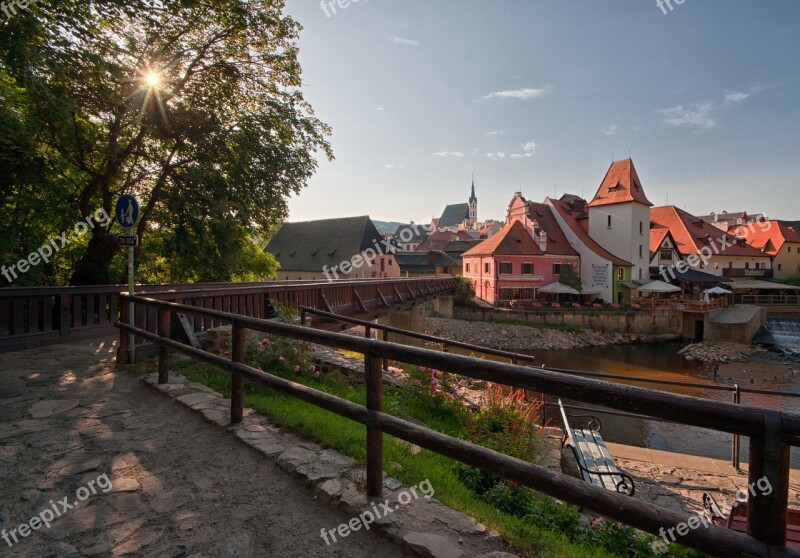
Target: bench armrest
(624,486)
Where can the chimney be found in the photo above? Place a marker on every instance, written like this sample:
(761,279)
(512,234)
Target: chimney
(543,242)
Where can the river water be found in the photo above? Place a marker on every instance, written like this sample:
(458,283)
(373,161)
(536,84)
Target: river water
(662,361)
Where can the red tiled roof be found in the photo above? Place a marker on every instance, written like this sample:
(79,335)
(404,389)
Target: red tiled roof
(557,242)
(512,240)
(574,221)
(769,237)
(620,185)
(691,233)
(657,236)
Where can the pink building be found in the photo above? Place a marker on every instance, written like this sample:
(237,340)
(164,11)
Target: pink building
(530,252)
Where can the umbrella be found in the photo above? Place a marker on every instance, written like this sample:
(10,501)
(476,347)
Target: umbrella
(659,287)
(558,288)
(718,291)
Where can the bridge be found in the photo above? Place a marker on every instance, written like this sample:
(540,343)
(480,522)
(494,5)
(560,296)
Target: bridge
(35,317)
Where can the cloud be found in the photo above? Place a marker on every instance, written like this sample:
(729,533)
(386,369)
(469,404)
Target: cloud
(496,133)
(404,42)
(496,156)
(457,154)
(389,166)
(611,130)
(698,115)
(379,109)
(529,147)
(735,97)
(519,94)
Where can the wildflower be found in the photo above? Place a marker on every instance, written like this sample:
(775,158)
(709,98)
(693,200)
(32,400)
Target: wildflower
(296,368)
(260,369)
(282,358)
(312,368)
(316,373)
(226,353)
(313,349)
(265,343)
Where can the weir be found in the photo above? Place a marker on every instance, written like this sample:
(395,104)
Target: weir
(785,334)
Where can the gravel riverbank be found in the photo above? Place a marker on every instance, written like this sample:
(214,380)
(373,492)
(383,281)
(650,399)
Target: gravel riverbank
(521,337)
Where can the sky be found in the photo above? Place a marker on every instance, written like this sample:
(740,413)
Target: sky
(541,96)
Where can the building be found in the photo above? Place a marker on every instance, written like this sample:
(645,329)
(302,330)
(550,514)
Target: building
(439,240)
(330,249)
(514,263)
(460,215)
(427,263)
(778,240)
(619,217)
(724,221)
(407,238)
(602,272)
(702,246)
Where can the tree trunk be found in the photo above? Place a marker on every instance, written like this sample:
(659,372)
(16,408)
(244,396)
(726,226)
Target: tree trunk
(92,268)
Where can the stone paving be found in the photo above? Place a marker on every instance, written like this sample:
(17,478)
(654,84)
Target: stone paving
(180,486)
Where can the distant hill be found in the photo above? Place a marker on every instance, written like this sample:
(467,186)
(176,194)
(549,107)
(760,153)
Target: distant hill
(387,226)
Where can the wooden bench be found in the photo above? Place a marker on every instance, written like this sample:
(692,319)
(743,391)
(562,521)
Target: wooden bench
(594,460)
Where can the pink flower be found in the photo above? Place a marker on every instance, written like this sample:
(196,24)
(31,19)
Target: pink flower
(296,368)
(260,369)
(282,358)
(312,368)
(226,353)
(313,349)
(316,373)
(265,343)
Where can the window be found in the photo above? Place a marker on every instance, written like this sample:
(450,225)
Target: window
(716,265)
(666,254)
(558,269)
(790,249)
(758,265)
(780,267)
(527,294)
(621,274)
(486,267)
(747,265)
(641,228)
(527,269)
(609,221)
(640,273)
(730,265)
(466,267)
(390,263)
(505,268)
(641,251)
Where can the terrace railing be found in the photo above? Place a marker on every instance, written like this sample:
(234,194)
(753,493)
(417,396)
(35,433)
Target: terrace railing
(770,432)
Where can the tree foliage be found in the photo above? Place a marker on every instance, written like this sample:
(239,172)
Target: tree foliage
(194,106)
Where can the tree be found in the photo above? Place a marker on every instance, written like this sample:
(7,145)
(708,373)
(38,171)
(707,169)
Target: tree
(464,292)
(568,276)
(193,106)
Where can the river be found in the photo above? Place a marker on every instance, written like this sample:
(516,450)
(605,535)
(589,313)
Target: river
(662,361)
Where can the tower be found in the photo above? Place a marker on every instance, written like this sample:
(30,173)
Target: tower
(473,207)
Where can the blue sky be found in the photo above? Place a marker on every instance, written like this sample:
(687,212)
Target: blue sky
(537,95)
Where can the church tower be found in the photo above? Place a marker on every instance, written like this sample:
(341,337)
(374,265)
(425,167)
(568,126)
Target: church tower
(473,207)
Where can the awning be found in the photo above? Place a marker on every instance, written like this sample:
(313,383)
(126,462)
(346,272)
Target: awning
(632,285)
(761,285)
(695,276)
(718,291)
(659,287)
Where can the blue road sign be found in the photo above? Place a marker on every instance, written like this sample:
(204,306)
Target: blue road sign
(127,211)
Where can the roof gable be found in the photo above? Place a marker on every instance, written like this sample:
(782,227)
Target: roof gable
(454,215)
(512,240)
(620,185)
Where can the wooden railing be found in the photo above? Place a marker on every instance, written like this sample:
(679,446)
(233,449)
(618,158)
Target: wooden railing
(770,432)
(684,304)
(31,317)
(768,299)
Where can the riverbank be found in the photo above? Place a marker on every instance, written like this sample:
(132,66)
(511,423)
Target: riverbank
(518,337)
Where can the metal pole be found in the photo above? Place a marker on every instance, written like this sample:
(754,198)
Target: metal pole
(131,317)
(735,450)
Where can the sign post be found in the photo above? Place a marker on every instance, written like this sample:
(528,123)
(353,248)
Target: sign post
(127,215)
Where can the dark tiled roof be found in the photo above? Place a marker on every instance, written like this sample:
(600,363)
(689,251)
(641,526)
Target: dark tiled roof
(424,262)
(557,242)
(310,245)
(418,236)
(454,215)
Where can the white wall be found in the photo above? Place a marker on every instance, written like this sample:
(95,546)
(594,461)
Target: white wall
(625,237)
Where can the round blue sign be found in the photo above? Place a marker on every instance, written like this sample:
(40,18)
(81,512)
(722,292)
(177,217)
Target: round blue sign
(127,211)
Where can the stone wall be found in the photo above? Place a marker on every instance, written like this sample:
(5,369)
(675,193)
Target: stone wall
(665,321)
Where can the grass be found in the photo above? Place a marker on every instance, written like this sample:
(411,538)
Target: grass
(411,464)
(557,327)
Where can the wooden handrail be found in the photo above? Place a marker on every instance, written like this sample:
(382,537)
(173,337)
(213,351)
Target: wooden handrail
(768,430)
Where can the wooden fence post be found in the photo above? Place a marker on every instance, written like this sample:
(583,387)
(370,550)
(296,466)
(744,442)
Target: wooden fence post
(374,379)
(385,337)
(237,381)
(769,459)
(164,322)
